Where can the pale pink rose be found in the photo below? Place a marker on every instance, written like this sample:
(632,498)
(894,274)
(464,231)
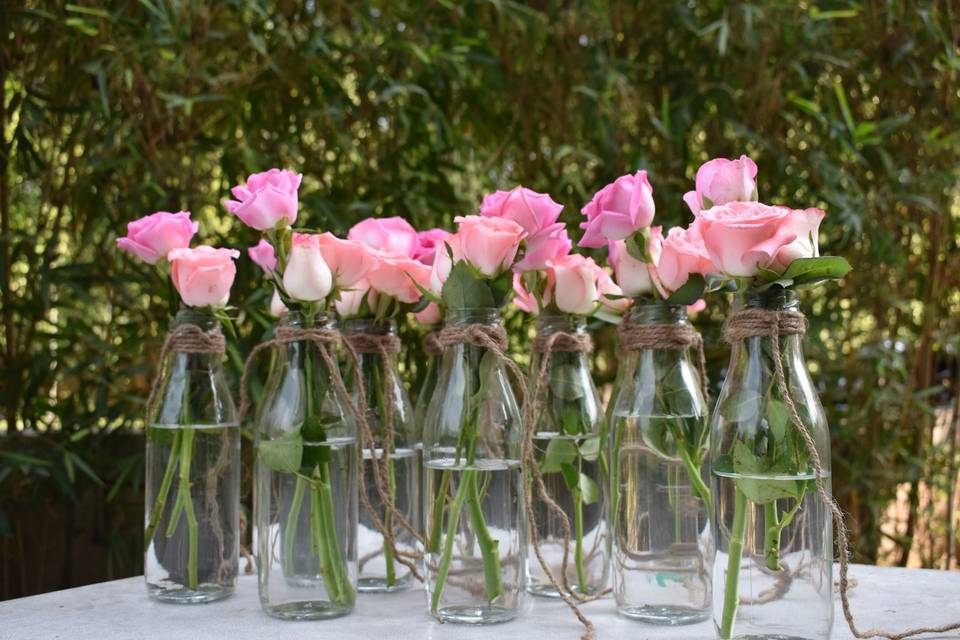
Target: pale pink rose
(527,300)
(681,254)
(447,253)
(277,308)
(547,244)
(575,289)
(349,261)
(720,181)
(307,276)
(607,287)
(635,277)
(741,237)
(394,275)
(386,234)
(351,300)
(531,210)
(697,306)
(428,243)
(618,210)
(203,276)
(806,224)
(152,237)
(263,256)
(489,244)
(267,200)
(431,314)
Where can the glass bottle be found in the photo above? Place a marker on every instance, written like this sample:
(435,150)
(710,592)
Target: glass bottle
(567,441)
(378,569)
(772,572)
(305,496)
(431,359)
(192,476)
(476,531)
(658,504)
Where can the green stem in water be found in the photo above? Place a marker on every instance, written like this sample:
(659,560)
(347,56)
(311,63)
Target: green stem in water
(578,532)
(436,517)
(489,548)
(161,500)
(186,454)
(771,535)
(293,518)
(696,479)
(388,524)
(731,595)
(329,532)
(453,523)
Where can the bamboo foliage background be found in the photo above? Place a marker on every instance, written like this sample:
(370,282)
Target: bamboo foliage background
(111,110)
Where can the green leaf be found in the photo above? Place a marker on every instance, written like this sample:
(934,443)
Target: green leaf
(589,489)
(805,271)
(566,382)
(560,451)
(571,476)
(283,453)
(777,418)
(590,448)
(690,292)
(465,289)
(759,489)
(634,249)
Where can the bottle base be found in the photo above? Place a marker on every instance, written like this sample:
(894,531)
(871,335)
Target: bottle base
(547,590)
(465,614)
(307,610)
(379,585)
(665,616)
(178,594)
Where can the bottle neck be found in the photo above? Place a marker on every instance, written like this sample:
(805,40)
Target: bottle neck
(548,324)
(488,316)
(650,312)
(791,345)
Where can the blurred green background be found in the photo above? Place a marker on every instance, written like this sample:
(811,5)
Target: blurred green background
(115,109)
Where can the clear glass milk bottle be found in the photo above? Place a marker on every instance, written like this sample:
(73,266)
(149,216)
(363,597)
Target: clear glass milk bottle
(568,428)
(386,399)
(475,534)
(772,573)
(192,469)
(657,443)
(305,496)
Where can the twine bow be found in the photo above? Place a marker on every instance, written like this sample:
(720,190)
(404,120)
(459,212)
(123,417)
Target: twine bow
(748,323)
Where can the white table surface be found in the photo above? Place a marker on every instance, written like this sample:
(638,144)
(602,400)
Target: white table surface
(888,598)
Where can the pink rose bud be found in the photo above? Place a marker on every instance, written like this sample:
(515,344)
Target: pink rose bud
(489,244)
(531,210)
(741,237)
(618,210)
(395,274)
(442,262)
(349,261)
(575,290)
(350,301)
(152,237)
(386,234)
(263,256)
(307,276)
(428,242)
(548,244)
(681,254)
(526,300)
(720,181)
(277,308)
(430,315)
(806,224)
(267,200)
(203,276)
(634,276)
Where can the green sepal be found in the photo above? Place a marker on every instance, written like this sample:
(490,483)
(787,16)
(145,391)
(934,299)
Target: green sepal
(691,291)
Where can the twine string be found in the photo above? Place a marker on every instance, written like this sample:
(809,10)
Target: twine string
(748,323)
(431,344)
(677,337)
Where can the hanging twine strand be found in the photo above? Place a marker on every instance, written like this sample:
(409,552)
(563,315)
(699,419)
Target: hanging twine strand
(563,342)
(494,339)
(748,323)
(325,340)
(677,337)
(187,338)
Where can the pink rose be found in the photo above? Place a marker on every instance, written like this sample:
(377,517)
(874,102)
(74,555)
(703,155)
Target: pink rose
(697,306)
(547,244)
(634,276)
(720,181)
(443,262)
(394,275)
(489,244)
(681,254)
(152,237)
(277,308)
(203,276)
(430,315)
(307,276)
(387,234)
(575,289)
(264,256)
(348,260)
(428,242)
(350,301)
(741,237)
(526,300)
(806,224)
(618,210)
(531,210)
(607,287)
(267,199)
